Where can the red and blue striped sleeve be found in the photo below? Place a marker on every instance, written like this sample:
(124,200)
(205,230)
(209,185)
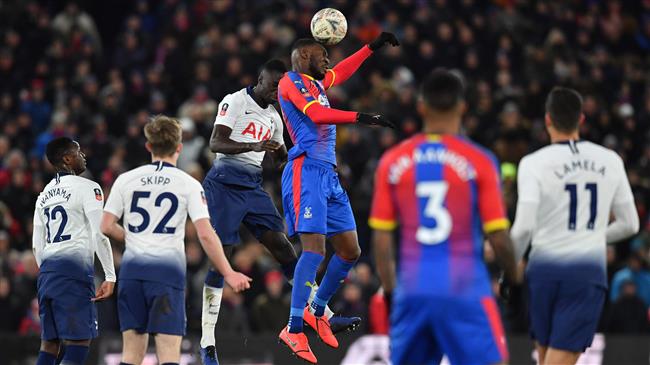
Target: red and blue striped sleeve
(383,213)
(490,197)
(297,93)
(346,68)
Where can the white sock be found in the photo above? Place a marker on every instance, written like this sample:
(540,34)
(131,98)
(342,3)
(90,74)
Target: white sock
(312,294)
(210,314)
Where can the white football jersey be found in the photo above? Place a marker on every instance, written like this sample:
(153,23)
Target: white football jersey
(65,240)
(574,185)
(249,123)
(154,201)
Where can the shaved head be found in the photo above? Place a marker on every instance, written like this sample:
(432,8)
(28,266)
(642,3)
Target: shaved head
(309,57)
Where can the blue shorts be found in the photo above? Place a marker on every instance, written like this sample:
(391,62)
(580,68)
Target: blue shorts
(231,205)
(468,331)
(151,307)
(65,308)
(563,314)
(313,199)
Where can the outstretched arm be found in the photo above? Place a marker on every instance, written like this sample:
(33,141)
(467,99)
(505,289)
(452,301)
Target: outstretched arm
(346,68)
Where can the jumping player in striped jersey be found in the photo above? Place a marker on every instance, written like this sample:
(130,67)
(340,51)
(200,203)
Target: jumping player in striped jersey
(444,193)
(246,127)
(65,239)
(154,201)
(315,205)
(567,193)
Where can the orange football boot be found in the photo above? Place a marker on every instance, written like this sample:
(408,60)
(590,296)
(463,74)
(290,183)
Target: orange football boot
(322,327)
(298,344)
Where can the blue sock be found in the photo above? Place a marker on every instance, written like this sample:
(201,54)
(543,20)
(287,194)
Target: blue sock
(337,271)
(289,269)
(45,358)
(304,278)
(75,354)
(214,279)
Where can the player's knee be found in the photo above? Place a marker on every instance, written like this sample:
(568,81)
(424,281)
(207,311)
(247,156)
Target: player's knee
(51,347)
(280,247)
(350,253)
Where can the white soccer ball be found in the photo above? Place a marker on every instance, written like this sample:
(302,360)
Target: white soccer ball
(329,26)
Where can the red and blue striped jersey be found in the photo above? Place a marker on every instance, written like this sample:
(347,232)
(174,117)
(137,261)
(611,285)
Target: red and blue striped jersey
(296,93)
(444,191)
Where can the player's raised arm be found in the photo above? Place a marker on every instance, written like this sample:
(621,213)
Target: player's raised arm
(347,67)
(626,218)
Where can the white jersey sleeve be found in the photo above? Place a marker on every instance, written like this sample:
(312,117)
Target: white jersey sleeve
(229,111)
(278,134)
(197,205)
(623,193)
(626,218)
(115,203)
(38,236)
(93,204)
(528,188)
(528,184)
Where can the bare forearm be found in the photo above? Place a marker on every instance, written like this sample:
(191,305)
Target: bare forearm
(384,259)
(230,147)
(505,255)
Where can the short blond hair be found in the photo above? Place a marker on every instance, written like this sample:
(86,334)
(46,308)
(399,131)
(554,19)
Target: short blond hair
(164,134)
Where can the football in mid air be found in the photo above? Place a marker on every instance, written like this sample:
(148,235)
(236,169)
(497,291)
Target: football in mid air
(329,26)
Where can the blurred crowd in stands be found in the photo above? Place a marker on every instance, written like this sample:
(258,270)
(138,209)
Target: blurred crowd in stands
(96,71)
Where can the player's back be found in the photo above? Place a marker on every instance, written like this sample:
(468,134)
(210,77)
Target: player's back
(69,248)
(444,191)
(576,183)
(154,201)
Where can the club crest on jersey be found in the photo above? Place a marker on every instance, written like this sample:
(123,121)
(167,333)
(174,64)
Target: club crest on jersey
(98,194)
(322,100)
(224,109)
(305,92)
(307,214)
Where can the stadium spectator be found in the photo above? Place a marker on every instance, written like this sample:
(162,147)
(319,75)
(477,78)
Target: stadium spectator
(270,308)
(74,69)
(636,272)
(628,314)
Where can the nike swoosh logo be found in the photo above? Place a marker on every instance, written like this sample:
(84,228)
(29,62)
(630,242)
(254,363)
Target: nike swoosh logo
(293,344)
(248,112)
(309,284)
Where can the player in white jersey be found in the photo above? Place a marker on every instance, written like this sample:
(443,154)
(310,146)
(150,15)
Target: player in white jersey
(567,191)
(246,127)
(154,201)
(65,239)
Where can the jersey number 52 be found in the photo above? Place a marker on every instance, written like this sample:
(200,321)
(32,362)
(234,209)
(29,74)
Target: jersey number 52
(435,221)
(161,227)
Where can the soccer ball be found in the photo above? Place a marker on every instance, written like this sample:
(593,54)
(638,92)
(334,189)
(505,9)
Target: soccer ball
(329,26)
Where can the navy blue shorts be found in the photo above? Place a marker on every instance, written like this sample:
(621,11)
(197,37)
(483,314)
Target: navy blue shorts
(151,307)
(65,308)
(314,200)
(231,205)
(563,314)
(468,331)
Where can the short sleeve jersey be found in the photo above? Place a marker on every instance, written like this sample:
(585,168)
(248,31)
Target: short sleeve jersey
(444,192)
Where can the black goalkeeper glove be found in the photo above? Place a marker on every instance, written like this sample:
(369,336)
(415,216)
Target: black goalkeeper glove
(374,119)
(383,39)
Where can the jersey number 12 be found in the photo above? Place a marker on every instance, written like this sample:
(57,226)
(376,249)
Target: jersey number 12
(572,189)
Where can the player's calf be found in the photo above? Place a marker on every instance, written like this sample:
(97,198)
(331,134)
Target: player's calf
(48,352)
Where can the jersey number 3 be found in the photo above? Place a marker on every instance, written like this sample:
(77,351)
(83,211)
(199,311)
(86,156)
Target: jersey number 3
(435,221)
(572,189)
(162,225)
